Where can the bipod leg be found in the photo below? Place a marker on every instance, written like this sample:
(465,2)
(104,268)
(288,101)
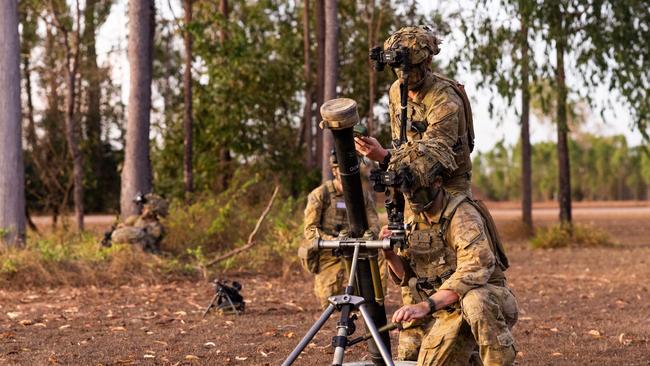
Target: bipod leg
(385,354)
(340,342)
(214,298)
(231,304)
(308,337)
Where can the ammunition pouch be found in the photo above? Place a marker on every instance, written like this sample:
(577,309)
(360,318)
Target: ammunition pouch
(309,257)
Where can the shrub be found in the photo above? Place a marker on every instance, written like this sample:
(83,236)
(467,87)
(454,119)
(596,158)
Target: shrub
(558,236)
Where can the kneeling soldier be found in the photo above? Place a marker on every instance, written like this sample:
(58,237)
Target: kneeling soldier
(455,263)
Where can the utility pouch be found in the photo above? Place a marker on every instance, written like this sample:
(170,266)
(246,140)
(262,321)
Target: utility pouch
(309,257)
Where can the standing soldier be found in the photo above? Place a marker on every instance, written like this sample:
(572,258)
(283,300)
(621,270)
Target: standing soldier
(326,217)
(440,116)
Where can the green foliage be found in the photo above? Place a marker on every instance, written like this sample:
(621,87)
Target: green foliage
(576,235)
(604,168)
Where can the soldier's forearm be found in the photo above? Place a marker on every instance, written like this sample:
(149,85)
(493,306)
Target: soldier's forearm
(395,263)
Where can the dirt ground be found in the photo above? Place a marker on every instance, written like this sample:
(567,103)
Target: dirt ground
(588,306)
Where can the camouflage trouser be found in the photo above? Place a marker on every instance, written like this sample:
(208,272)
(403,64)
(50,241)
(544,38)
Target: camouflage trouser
(410,339)
(482,322)
(332,277)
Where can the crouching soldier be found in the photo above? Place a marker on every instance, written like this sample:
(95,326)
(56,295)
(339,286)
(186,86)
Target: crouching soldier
(145,229)
(455,264)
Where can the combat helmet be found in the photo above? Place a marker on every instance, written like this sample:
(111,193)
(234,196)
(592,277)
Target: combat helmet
(419,163)
(156,205)
(420,40)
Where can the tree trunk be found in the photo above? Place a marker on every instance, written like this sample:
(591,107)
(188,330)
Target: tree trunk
(12,181)
(562,129)
(188,177)
(331,75)
(224,153)
(320,76)
(307,113)
(90,72)
(136,174)
(71,130)
(526,172)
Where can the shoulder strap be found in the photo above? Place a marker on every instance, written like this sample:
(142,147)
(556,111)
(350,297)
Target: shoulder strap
(460,90)
(449,212)
(326,194)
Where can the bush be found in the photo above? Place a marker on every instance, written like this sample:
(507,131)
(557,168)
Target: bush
(559,236)
(216,224)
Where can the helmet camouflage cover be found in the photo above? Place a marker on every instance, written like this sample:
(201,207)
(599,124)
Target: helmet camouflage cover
(423,158)
(420,41)
(155,204)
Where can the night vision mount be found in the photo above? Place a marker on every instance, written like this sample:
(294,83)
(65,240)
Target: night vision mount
(397,58)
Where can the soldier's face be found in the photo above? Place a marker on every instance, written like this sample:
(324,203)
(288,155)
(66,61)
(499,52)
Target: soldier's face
(416,75)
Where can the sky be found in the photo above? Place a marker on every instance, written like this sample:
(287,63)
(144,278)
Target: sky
(111,47)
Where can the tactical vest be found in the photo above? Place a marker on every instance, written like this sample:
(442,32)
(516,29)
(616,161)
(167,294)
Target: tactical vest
(417,123)
(334,217)
(433,260)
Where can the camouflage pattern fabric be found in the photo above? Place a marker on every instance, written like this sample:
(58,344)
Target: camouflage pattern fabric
(326,217)
(437,115)
(487,309)
(410,339)
(144,230)
(421,157)
(420,41)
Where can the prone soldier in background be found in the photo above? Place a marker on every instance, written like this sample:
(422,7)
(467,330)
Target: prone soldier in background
(145,229)
(326,217)
(438,114)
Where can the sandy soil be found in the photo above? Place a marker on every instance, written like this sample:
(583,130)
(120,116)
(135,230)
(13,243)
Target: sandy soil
(578,307)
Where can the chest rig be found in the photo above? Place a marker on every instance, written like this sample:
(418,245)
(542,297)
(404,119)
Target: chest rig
(334,217)
(431,258)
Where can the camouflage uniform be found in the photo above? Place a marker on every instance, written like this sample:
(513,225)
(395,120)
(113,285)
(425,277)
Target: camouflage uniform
(440,114)
(455,248)
(326,217)
(440,111)
(144,230)
(463,260)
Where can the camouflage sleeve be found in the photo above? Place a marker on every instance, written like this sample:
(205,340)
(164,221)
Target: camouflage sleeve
(408,272)
(474,258)
(443,118)
(131,220)
(313,213)
(371,213)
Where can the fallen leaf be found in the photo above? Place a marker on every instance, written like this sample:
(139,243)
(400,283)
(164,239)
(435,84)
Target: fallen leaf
(623,341)
(64,327)
(594,333)
(191,357)
(290,334)
(118,329)
(40,325)
(229,322)
(209,345)
(149,356)
(14,314)
(26,322)
(180,313)
(241,358)
(554,330)
(556,354)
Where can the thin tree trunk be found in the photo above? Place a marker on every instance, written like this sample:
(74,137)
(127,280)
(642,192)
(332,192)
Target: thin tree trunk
(526,171)
(188,177)
(307,113)
(331,75)
(224,154)
(136,174)
(320,75)
(12,181)
(71,48)
(562,129)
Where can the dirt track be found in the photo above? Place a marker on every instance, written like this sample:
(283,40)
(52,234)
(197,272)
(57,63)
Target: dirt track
(578,307)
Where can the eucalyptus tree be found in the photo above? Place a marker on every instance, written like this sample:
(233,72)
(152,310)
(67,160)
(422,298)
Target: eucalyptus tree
(12,193)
